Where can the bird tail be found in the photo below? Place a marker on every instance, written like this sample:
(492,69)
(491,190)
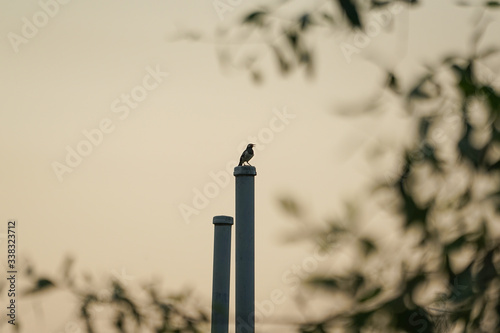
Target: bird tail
(241,162)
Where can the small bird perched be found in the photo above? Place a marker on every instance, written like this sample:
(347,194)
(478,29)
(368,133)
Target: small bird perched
(247,155)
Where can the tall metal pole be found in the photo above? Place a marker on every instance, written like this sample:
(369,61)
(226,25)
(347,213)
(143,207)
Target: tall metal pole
(222,268)
(245,249)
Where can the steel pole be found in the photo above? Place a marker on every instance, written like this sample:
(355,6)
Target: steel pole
(245,249)
(221,273)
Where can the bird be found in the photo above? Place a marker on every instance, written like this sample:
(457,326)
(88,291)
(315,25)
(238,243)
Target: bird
(247,155)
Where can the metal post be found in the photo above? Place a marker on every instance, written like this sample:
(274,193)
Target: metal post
(222,268)
(245,249)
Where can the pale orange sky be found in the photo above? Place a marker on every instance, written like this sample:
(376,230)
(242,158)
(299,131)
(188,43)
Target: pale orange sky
(119,209)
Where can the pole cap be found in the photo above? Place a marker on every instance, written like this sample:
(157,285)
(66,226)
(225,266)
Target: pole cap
(223,219)
(245,170)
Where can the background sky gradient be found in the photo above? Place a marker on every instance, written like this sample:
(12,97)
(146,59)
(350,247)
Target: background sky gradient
(119,210)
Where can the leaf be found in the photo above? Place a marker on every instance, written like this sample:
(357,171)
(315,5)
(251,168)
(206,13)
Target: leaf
(468,151)
(313,328)
(357,281)
(324,282)
(370,294)
(293,39)
(120,297)
(368,246)
(284,65)
(461,285)
(392,82)
(419,91)
(42,284)
(327,17)
(256,76)
(415,320)
(414,282)
(465,79)
(305,21)
(351,12)
(429,153)
(487,272)
(256,18)
(379,4)
(456,244)
(412,211)
(291,207)
(494,166)
(120,321)
(464,199)
(423,127)
(492,97)
(359,319)
(493,4)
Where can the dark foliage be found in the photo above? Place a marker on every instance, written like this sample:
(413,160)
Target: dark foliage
(118,305)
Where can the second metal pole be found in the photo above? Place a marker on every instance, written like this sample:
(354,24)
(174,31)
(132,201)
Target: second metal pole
(245,249)
(221,273)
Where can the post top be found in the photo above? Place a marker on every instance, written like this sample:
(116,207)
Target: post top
(245,170)
(222,219)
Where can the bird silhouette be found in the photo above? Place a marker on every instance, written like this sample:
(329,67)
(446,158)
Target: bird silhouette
(247,155)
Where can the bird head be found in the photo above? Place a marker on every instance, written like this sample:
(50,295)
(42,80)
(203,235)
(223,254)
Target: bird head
(250,145)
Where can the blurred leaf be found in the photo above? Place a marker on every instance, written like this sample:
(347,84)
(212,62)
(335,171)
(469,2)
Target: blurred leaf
(415,320)
(412,211)
(495,134)
(492,97)
(468,151)
(256,76)
(429,154)
(351,12)
(370,294)
(313,328)
(291,207)
(494,166)
(493,4)
(392,82)
(497,310)
(29,270)
(120,297)
(120,321)
(256,18)
(42,284)
(461,285)
(423,129)
(327,17)
(414,282)
(456,244)
(324,282)
(464,199)
(380,4)
(368,246)
(293,39)
(466,78)
(284,65)
(85,311)
(360,318)
(357,281)
(422,89)
(487,272)
(305,21)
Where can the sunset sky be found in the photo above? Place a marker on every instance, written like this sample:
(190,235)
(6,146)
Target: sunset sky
(157,124)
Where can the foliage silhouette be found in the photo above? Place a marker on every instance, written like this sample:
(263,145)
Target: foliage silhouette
(455,108)
(116,305)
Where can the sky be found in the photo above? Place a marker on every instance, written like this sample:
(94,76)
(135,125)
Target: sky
(119,138)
